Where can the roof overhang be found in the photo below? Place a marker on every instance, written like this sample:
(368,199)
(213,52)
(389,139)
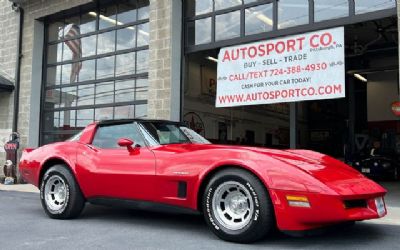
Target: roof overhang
(6,85)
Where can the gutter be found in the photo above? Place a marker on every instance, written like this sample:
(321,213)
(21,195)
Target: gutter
(17,8)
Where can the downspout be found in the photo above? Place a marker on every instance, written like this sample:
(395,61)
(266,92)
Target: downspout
(20,10)
(183,62)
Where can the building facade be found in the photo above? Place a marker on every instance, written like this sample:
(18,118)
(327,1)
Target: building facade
(85,60)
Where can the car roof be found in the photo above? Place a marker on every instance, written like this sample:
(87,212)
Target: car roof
(121,121)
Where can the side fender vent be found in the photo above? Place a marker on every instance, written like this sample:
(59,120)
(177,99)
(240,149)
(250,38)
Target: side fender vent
(182,189)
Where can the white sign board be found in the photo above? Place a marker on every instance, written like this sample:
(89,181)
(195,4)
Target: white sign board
(4,137)
(296,68)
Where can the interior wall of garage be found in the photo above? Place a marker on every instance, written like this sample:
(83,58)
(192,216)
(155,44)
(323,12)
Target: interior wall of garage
(382,91)
(262,119)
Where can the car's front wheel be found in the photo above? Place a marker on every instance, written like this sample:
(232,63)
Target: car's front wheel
(237,206)
(60,194)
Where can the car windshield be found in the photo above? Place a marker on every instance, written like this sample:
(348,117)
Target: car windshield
(163,133)
(193,136)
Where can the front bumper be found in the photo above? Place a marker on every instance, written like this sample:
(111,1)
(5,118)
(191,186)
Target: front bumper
(324,209)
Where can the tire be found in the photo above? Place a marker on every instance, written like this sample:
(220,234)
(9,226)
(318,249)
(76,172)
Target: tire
(60,194)
(237,206)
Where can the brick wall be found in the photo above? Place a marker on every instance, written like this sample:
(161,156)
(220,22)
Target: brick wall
(34,9)
(159,104)
(8,47)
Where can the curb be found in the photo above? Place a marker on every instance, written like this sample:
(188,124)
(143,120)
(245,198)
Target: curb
(27,188)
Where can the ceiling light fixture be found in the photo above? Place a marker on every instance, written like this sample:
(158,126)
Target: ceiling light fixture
(360,77)
(212,59)
(265,19)
(115,22)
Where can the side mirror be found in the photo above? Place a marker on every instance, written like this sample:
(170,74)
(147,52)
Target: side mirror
(124,142)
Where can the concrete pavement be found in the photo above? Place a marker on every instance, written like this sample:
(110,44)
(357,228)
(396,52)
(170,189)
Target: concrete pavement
(24,225)
(19,188)
(392,200)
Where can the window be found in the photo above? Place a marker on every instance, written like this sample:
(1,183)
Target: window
(330,9)
(107,136)
(96,67)
(200,31)
(259,19)
(164,133)
(365,6)
(224,4)
(204,6)
(209,23)
(194,137)
(227,26)
(292,13)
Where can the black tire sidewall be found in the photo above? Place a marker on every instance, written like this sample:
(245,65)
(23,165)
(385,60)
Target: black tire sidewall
(259,216)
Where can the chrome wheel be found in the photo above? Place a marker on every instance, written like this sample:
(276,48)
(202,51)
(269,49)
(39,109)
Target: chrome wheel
(55,194)
(232,205)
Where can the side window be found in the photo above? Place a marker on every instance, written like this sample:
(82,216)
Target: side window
(108,136)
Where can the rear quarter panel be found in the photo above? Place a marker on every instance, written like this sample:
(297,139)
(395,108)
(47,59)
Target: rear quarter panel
(32,163)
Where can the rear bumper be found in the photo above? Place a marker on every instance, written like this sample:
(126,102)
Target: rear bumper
(324,210)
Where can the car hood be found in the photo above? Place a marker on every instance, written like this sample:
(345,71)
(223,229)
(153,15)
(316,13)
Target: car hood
(335,174)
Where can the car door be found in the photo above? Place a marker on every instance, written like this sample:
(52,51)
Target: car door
(119,172)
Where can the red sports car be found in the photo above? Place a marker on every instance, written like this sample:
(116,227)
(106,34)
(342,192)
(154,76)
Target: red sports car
(243,192)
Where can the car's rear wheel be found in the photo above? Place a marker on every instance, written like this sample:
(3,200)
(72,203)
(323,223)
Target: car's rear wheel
(60,195)
(237,206)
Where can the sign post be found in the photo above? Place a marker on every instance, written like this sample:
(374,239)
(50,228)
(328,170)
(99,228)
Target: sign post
(11,147)
(296,68)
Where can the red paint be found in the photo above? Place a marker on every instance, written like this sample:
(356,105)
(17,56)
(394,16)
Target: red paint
(324,40)
(152,174)
(267,49)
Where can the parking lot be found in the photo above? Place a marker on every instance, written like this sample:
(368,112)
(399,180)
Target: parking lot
(25,226)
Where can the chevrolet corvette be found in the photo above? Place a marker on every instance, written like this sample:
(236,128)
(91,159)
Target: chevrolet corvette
(244,193)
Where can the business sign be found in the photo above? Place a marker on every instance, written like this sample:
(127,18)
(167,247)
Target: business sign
(295,68)
(396,108)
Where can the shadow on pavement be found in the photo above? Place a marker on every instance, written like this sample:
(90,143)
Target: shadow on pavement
(362,233)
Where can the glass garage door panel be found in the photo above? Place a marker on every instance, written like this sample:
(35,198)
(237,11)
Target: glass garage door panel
(365,6)
(292,13)
(259,19)
(96,67)
(330,9)
(227,26)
